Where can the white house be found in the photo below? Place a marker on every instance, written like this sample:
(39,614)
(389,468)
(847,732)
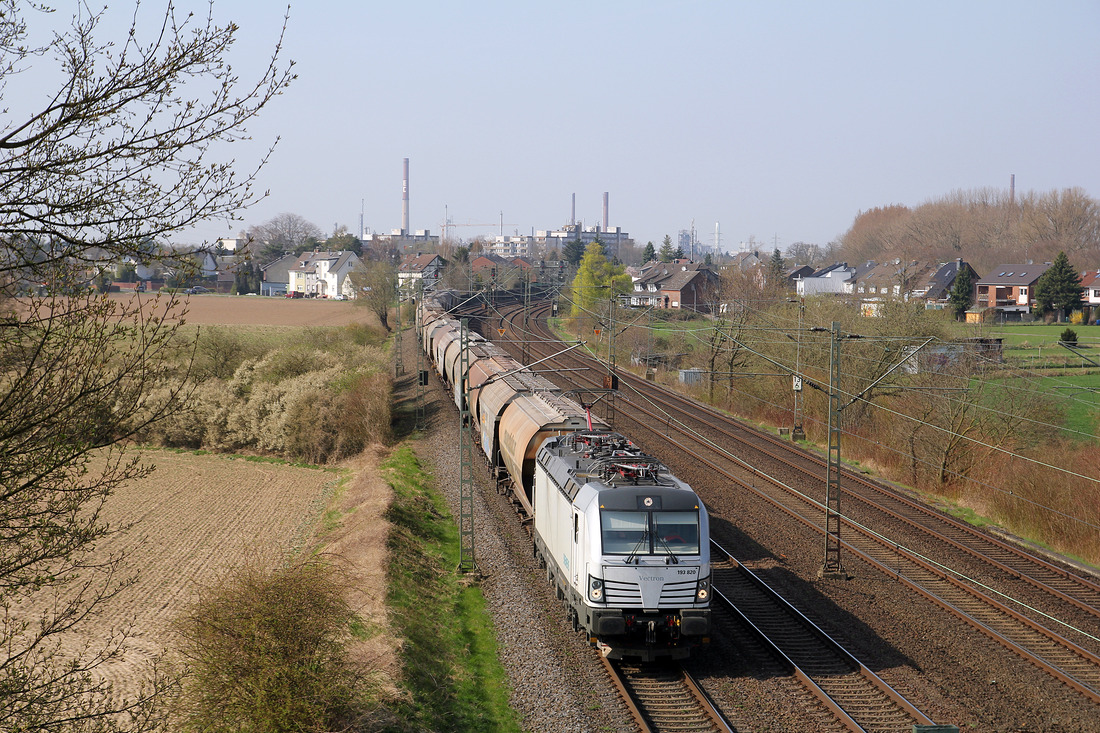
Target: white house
(831,279)
(322,274)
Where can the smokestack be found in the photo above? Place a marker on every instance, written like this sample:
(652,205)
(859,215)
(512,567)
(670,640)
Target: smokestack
(573,211)
(605,211)
(1012,188)
(405,200)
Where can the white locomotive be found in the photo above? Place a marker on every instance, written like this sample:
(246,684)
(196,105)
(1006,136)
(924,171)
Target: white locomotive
(625,543)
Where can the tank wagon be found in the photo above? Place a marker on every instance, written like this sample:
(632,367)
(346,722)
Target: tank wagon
(624,542)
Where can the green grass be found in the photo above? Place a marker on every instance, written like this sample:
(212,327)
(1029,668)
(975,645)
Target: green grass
(451,669)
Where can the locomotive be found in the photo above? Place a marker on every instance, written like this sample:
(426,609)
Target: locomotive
(626,545)
(624,542)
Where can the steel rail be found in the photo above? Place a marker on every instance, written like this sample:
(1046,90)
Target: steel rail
(1070,680)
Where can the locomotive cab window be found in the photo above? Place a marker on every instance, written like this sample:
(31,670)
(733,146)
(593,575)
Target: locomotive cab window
(649,533)
(624,532)
(677,532)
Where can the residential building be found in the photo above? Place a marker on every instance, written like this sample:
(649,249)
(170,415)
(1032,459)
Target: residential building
(897,279)
(276,275)
(420,268)
(938,287)
(683,284)
(322,274)
(831,279)
(1009,290)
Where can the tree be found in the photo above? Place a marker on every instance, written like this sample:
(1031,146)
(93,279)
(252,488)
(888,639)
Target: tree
(597,280)
(649,253)
(573,251)
(667,251)
(961,296)
(342,241)
(123,151)
(375,285)
(679,254)
(284,233)
(776,268)
(1059,288)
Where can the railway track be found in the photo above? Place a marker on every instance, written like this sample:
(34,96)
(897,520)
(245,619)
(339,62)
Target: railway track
(850,696)
(663,698)
(1058,603)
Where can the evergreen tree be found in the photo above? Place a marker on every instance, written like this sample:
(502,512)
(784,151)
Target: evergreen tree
(649,253)
(960,296)
(666,252)
(679,254)
(776,267)
(572,252)
(1059,288)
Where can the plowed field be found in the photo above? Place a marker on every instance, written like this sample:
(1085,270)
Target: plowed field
(194,517)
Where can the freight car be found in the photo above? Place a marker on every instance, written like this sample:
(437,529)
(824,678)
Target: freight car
(624,542)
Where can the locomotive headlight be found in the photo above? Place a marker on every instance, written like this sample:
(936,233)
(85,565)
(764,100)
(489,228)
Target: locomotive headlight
(595,589)
(702,590)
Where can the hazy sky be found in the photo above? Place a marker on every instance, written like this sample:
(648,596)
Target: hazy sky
(780,120)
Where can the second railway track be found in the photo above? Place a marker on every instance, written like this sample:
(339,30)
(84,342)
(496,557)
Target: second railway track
(1030,593)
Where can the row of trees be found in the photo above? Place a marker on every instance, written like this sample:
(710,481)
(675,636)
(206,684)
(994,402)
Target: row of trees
(985,227)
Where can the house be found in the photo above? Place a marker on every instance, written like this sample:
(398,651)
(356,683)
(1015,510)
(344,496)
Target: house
(898,280)
(937,289)
(1090,292)
(1009,290)
(831,279)
(686,285)
(745,261)
(796,273)
(228,266)
(322,274)
(420,268)
(490,266)
(276,275)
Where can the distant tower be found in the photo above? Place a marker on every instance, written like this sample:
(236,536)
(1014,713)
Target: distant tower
(605,211)
(717,239)
(1012,189)
(405,200)
(573,211)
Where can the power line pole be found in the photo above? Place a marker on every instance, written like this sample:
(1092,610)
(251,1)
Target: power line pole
(399,359)
(421,372)
(832,567)
(466,560)
(797,431)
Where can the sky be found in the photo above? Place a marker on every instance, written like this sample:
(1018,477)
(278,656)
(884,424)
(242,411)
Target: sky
(780,121)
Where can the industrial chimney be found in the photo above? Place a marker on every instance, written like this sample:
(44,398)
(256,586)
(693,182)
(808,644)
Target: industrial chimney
(605,211)
(573,211)
(405,201)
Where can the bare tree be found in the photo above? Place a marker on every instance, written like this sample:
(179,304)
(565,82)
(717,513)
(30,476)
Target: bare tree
(112,162)
(375,285)
(283,233)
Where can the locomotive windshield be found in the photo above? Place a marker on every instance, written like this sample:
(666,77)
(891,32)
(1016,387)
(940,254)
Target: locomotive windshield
(650,533)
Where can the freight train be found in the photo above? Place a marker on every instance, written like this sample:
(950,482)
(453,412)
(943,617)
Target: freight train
(624,543)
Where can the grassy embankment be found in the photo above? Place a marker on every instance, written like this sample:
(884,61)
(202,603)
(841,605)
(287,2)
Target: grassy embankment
(452,673)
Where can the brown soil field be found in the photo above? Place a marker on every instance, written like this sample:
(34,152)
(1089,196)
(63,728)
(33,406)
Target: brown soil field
(198,515)
(246,310)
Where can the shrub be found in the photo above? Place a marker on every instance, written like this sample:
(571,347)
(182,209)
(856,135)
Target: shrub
(268,651)
(1069,336)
